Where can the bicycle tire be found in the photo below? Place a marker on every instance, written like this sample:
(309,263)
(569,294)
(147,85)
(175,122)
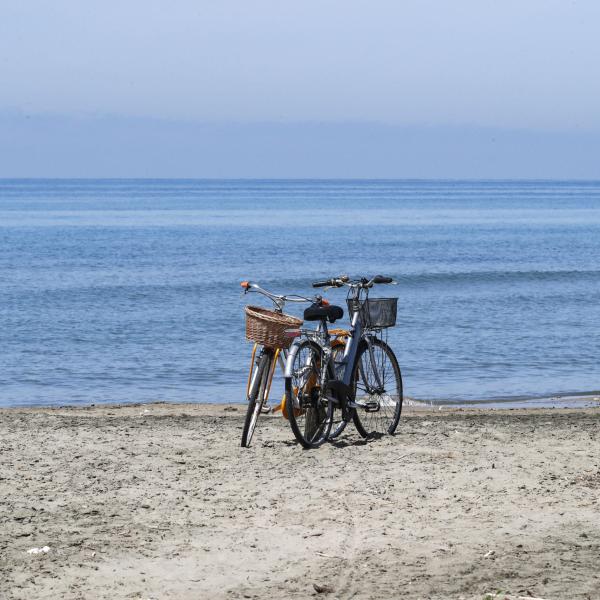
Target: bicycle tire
(338,421)
(309,411)
(385,419)
(256,398)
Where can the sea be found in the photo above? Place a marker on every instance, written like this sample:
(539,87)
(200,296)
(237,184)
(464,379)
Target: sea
(129,291)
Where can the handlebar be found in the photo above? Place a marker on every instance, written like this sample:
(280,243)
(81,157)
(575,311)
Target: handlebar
(363,282)
(326,283)
(278,299)
(334,282)
(382,279)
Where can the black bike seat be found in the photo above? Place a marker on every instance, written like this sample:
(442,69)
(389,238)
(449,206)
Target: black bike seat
(321,313)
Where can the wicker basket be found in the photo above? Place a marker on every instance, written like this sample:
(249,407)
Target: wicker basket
(267,327)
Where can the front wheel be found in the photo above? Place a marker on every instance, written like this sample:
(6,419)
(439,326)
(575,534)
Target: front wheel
(256,397)
(308,407)
(377,389)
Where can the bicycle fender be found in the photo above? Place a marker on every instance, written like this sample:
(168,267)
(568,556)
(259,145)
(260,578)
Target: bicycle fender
(289,363)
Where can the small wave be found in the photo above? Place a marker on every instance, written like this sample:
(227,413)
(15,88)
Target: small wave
(460,277)
(451,277)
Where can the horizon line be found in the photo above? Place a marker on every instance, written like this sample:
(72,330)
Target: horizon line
(324,179)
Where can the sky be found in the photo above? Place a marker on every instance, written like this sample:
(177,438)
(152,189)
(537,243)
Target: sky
(265,88)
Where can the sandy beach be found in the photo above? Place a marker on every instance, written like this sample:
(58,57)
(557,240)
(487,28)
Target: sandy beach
(159,501)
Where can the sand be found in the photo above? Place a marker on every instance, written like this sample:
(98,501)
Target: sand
(159,501)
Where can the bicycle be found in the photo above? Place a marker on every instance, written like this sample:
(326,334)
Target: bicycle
(365,386)
(267,329)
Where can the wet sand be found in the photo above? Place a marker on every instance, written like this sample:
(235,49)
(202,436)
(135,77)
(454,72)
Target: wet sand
(159,501)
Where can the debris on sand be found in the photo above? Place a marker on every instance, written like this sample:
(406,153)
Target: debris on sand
(42,550)
(322,589)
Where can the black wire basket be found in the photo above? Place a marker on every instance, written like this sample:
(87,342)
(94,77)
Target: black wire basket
(375,313)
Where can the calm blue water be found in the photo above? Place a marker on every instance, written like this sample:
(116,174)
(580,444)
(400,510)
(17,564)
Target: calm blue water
(129,291)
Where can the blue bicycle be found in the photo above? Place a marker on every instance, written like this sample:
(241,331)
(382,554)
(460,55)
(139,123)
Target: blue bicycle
(328,389)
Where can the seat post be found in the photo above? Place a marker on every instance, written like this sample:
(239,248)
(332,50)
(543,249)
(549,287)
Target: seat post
(322,328)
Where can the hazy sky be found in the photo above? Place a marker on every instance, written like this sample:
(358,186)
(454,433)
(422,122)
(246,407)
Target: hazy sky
(494,66)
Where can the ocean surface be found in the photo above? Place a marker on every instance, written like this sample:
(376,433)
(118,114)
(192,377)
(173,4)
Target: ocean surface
(128,290)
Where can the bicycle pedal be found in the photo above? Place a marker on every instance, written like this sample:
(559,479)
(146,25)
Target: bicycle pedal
(372,406)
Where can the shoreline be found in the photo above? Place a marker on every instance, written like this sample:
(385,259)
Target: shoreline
(563,400)
(159,501)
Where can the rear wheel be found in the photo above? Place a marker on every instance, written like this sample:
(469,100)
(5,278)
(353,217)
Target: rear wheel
(377,385)
(308,408)
(256,397)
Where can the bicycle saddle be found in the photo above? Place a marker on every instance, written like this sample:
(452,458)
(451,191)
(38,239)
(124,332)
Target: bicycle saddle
(321,313)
